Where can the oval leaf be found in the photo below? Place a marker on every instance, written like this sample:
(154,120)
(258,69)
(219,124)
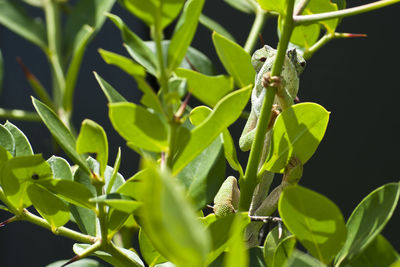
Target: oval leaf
(22,145)
(297,131)
(315,221)
(236,61)
(369,219)
(93,139)
(139,126)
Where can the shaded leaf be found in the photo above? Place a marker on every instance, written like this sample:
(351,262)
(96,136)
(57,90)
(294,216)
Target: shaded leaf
(124,63)
(93,139)
(315,221)
(139,126)
(271,243)
(284,250)
(7,140)
(14,17)
(236,61)
(184,32)
(137,262)
(167,218)
(215,26)
(149,253)
(147,11)
(135,46)
(118,202)
(111,94)
(378,253)
(208,89)
(242,5)
(60,133)
(22,145)
(80,263)
(224,114)
(297,131)
(60,168)
(368,220)
(300,259)
(237,254)
(274,5)
(50,207)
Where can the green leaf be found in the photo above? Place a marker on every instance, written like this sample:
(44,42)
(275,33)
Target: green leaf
(284,250)
(378,253)
(18,173)
(208,89)
(60,133)
(80,263)
(256,258)
(116,220)
(149,98)
(137,262)
(184,32)
(135,46)
(237,253)
(113,181)
(204,175)
(236,61)
(297,131)
(60,168)
(93,139)
(194,59)
(167,218)
(50,207)
(111,94)
(300,259)
(271,243)
(15,18)
(273,5)
(81,41)
(72,192)
(22,145)
(197,116)
(316,7)
(88,12)
(215,26)
(7,140)
(305,35)
(315,221)
(139,126)
(224,114)
(124,63)
(368,220)
(133,187)
(147,11)
(118,202)
(149,253)
(242,5)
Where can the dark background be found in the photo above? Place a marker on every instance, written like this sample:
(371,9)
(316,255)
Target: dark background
(357,80)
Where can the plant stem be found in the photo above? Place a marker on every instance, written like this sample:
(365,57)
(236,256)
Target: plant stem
(261,17)
(308,19)
(249,181)
(19,114)
(121,256)
(53,23)
(63,231)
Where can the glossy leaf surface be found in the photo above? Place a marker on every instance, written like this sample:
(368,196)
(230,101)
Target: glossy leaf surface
(368,220)
(297,131)
(22,145)
(235,60)
(315,221)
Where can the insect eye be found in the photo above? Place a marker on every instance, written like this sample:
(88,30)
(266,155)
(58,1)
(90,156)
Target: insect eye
(263,59)
(35,176)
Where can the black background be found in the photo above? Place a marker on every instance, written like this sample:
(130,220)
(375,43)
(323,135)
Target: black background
(357,80)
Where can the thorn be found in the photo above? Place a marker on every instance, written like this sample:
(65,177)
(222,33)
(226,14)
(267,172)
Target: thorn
(261,39)
(297,99)
(12,219)
(75,258)
(191,65)
(182,108)
(350,35)
(28,74)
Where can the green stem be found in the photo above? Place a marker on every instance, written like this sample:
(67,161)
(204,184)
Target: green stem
(19,114)
(308,19)
(249,181)
(9,205)
(261,17)
(53,23)
(63,231)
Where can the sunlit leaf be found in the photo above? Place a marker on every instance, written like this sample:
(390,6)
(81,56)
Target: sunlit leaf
(22,145)
(215,26)
(60,168)
(315,221)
